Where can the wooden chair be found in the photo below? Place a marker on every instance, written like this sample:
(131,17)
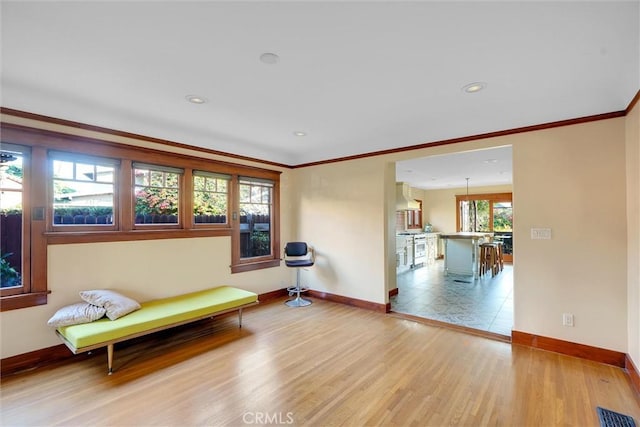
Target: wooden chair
(489,258)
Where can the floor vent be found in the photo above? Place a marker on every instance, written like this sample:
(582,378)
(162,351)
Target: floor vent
(610,418)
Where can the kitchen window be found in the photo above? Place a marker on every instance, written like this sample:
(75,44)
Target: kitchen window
(414,217)
(487,213)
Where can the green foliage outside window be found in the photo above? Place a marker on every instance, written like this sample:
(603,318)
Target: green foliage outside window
(210,196)
(157,201)
(156,192)
(9,276)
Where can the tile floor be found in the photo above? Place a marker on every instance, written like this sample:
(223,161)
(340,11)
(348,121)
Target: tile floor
(485,303)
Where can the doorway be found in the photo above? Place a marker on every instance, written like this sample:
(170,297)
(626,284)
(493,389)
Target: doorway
(424,291)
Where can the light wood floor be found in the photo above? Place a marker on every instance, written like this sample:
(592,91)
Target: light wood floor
(324,365)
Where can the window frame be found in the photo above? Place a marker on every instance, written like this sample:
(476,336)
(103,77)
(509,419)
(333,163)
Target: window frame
(77,158)
(209,174)
(490,197)
(40,198)
(25,231)
(239,264)
(414,217)
(181,203)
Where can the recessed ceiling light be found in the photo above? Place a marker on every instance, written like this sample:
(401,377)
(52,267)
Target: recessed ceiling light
(297,133)
(491,161)
(269,58)
(195,99)
(474,87)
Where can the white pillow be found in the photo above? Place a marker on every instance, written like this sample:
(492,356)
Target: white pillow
(117,305)
(77,313)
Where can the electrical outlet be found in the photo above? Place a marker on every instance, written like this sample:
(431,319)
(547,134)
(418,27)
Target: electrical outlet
(567,319)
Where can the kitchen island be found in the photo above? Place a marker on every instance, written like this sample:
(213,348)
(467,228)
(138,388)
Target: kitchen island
(461,252)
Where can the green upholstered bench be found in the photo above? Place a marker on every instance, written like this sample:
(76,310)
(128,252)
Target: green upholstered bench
(155,316)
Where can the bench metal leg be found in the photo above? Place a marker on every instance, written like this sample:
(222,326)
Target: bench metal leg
(110,358)
(240,317)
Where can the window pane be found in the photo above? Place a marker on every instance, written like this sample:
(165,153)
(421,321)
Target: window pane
(11,175)
(157,178)
(141,177)
(171,180)
(104,174)
(62,169)
(85,172)
(79,198)
(157,197)
(255,219)
(503,225)
(210,200)
(199,183)
(502,216)
(474,215)
(245,193)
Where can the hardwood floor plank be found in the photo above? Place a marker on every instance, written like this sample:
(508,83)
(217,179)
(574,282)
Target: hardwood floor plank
(322,365)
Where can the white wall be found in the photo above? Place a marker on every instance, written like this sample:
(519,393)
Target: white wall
(143,270)
(572,180)
(633,232)
(341,213)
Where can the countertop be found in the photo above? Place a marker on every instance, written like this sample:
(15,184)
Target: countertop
(465,235)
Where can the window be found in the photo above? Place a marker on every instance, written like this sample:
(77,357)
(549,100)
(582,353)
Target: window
(256,205)
(83,191)
(157,194)
(474,215)
(488,213)
(414,217)
(210,198)
(14,275)
(61,189)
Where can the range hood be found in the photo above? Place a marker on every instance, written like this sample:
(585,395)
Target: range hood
(404,201)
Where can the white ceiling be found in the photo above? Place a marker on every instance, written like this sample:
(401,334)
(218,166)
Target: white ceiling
(491,166)
(356,77)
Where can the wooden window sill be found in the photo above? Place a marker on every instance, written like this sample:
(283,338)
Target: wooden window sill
(31,299)
(57,238)
(258,265)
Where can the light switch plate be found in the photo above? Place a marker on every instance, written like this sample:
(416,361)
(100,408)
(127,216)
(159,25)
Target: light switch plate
(540,233)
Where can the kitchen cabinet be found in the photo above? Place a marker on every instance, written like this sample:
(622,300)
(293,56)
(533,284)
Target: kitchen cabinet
(461,252)
(432,248)
(404,253)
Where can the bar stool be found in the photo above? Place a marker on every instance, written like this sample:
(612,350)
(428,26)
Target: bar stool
(488,258)
(298,255)
(500,259)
